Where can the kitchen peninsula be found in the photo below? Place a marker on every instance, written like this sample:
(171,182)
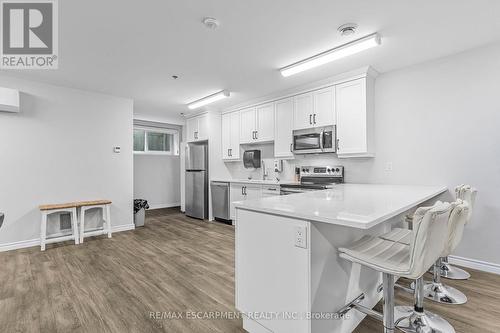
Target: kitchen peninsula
(289,277)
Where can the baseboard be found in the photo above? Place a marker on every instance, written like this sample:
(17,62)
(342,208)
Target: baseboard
(123,227)
(19,245)
(475,264)
(36,242)
(164,205)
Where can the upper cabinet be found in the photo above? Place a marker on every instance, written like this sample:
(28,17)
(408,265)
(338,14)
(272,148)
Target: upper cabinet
(347,102)
(354,109)
(231,136)
(283,128)
(197,128)
(324,107)
(303,111)
(257,124)
(315,109)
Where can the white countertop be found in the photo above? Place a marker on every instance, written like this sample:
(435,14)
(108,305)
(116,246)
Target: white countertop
(254,181)
(354,205)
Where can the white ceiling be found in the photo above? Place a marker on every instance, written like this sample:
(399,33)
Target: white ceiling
(132,48)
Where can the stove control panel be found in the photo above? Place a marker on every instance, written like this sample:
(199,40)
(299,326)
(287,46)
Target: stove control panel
(324,171)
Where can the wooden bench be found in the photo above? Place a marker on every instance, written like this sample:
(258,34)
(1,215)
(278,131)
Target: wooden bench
(77,233)
(106,215)
(47,210)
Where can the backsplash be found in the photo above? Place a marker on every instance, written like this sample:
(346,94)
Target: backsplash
(356,170)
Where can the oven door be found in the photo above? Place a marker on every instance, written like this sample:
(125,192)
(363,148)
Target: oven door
(314,141)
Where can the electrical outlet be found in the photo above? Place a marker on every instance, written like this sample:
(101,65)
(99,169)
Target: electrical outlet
(301,237)
(388,166)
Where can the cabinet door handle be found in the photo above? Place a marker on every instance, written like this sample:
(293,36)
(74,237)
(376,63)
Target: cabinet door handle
(242,193)
(291,147)
(256,135)
(338,144)
(245,193)
(314,119)
(310,119)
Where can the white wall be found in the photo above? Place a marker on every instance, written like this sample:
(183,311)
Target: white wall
(157,179)
(437,123)
(59,149)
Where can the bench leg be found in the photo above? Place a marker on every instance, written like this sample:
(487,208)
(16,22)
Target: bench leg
(108,220)
(43,231)
(82,224)
(74,225)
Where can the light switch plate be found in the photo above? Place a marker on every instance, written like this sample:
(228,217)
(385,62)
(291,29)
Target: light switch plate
(301,236)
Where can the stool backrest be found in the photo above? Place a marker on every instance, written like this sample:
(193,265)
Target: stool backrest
(456,225)
(429,237)
(467,193)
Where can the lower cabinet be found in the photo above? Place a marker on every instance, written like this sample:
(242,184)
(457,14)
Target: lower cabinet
(246,191)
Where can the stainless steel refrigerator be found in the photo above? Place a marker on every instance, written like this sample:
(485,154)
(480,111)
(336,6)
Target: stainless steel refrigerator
(197,180)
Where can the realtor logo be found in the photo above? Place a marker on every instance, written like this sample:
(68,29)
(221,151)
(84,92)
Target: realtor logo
(29,38)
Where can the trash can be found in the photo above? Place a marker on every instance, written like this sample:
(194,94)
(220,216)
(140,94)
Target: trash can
(140,207)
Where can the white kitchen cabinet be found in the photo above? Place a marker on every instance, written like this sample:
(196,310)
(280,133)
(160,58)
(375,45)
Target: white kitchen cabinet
(244,191)
(314,109)
(303,111)
(247,191)
(283,128)
(354,112)
(202,133)
(324,107)
(191,128)
(197,128)
(247,127)
(264,129)
(257,124)
(236,193)
(231,136)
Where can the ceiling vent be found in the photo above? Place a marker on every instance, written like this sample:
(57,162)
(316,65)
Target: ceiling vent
(211,23)
(347,29)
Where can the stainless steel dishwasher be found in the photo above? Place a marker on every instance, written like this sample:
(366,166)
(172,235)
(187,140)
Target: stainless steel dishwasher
(220,201)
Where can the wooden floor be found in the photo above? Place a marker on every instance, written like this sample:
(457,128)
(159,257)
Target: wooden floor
(173,266)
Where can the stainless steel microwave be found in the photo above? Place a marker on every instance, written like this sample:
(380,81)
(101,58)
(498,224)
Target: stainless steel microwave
(314,140)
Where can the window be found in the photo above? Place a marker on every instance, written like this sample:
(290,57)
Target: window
(156,141)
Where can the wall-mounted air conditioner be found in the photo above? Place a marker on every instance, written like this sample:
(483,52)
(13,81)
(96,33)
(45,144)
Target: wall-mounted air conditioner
(9,100)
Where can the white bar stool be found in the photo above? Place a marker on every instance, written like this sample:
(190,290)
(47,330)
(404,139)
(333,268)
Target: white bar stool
(412,320)
(106,215)
(436,290)
(467,194)
(410,261)
(47,210)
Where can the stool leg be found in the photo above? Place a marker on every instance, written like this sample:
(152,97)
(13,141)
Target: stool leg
(82,224)
(416,320)
(453,273)
(108,220)
(441,293)
(388,288)
(43,231)
(74,225)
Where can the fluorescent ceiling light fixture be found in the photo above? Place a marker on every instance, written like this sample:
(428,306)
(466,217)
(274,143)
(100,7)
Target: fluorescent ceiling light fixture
(342,51)
(209,99)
